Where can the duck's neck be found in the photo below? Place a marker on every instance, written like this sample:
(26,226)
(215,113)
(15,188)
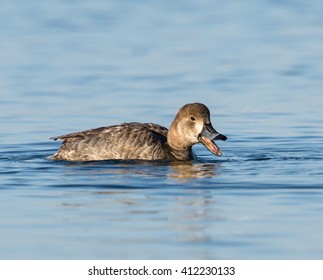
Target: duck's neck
(176,138)
(182,154)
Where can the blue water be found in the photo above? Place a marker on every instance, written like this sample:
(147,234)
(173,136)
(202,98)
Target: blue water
(73,65)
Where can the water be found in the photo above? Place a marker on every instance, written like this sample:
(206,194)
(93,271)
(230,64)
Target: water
(69,66)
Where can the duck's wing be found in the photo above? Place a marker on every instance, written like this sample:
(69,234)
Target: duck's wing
(125,141)
(157,129)
(83,134)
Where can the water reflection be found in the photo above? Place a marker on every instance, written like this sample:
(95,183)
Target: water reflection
(172,170)
(190,170)
(189,214)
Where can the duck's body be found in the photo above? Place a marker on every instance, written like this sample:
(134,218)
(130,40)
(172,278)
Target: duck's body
(145,141)
(125,141)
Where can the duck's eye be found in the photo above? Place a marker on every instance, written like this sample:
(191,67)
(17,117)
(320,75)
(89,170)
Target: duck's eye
(193,119)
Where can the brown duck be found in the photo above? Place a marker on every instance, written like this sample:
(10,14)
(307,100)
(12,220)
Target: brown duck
(145,141)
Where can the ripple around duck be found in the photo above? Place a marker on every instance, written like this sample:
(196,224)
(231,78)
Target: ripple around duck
(282,158)
(254,169)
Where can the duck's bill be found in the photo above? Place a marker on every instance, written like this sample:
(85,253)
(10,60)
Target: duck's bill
(207,136)
(211,146)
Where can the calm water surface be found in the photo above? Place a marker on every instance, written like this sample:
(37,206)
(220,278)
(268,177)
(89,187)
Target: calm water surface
(69,66)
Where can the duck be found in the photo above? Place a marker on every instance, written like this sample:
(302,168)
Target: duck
(144,141)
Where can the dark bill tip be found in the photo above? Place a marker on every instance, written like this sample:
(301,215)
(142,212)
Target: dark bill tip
(220,137)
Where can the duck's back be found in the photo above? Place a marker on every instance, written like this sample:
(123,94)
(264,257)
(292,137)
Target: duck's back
(126,141)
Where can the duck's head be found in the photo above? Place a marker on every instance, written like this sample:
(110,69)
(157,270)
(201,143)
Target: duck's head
(192,125)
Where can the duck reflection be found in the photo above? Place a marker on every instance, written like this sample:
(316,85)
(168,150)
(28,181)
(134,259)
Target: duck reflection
(185,216)
(172,170)
(189,170)
(193,215)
